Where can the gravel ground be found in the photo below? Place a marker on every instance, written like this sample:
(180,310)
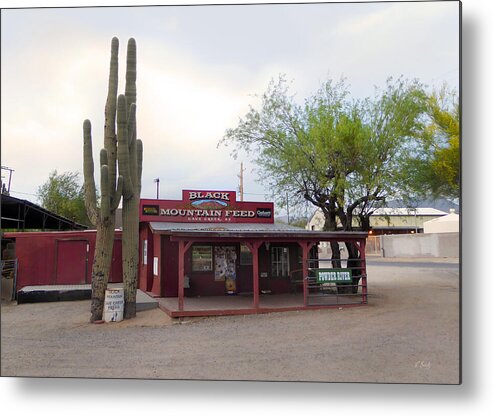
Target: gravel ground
(409,333)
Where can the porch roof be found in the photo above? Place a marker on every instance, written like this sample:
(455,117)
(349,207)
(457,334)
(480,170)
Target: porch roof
(248,230)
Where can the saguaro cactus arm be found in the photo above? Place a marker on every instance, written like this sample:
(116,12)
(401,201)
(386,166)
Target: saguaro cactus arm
(123,151)
(132,152)
(89,184)
(110,114)
(105,197)
(140,152)
(118,193)
(131,124)
(103,157)
(131,74)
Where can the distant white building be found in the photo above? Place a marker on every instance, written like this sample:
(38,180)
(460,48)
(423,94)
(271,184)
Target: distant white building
(389,220)
(446,224)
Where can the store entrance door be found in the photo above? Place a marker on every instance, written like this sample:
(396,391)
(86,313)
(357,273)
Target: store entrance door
(245,271)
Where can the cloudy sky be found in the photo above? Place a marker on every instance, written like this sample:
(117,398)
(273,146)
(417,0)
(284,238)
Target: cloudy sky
(198,68)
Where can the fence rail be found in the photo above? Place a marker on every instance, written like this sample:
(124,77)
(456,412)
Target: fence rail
(332,293)
(336,293)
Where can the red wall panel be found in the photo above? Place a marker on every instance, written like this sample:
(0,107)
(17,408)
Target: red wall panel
(38,259)
(116,271)
(145,270)
(71,262)
(169,267)
(156,252)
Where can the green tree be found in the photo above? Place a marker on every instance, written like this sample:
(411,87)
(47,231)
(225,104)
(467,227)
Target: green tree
(63,195)
(434,168)
(343,156)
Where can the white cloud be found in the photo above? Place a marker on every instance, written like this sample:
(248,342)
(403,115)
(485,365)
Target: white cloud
(196,76)
(410,39)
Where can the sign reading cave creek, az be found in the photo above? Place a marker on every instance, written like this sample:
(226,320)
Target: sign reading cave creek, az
(206,206)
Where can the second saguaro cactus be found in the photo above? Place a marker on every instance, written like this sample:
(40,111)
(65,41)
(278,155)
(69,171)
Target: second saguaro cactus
(130,167)
(103,217)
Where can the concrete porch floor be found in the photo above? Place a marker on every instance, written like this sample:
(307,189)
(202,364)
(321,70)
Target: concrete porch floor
(61,293)
(240,305)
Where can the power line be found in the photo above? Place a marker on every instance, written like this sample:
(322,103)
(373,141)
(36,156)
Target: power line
(251,193)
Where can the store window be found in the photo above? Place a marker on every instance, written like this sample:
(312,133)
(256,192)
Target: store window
(201,258)
(280,261)
(246,258)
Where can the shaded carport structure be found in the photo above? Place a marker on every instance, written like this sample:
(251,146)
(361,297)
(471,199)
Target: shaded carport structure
(21,215)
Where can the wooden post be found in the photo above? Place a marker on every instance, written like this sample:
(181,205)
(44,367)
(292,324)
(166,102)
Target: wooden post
(181,274)
(183,246)
(253,247)
(305,274)
(362,256)
(306,247)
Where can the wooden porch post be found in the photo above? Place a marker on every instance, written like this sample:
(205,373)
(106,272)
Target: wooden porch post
(362,256)
(183,246)
(361,247)
(253,247)
(306,247)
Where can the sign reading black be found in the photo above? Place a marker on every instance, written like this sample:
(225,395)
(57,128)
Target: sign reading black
(150,210)
(264,213)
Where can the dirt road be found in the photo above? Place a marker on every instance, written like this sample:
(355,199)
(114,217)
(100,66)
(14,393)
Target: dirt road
(408,333)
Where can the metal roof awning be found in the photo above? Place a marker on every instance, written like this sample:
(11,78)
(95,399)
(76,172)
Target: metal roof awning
(20,214)
(248,230)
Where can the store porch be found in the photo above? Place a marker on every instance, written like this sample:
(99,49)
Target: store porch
(244,305)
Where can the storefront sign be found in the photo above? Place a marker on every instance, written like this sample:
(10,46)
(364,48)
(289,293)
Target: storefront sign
(208,195)
(264,213)
(150,209)
(206,206)
(334,275)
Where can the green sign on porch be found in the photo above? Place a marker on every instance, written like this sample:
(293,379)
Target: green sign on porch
(334,275)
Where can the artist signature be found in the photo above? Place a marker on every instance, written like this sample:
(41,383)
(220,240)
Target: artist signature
(423,364)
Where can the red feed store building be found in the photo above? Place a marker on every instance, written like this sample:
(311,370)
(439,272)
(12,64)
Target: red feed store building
(211,254)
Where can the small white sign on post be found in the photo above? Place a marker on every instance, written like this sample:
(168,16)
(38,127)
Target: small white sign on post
(155,268)
(144,254)
(113,305)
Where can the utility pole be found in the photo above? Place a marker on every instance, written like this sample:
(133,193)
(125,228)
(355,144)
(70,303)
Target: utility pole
(241,181)
(156,181)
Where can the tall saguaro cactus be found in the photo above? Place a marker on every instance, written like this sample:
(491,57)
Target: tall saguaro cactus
(103,217)
(130,166)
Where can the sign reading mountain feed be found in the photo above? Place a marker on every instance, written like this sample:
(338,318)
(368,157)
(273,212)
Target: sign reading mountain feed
(334,276)
(206,206)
